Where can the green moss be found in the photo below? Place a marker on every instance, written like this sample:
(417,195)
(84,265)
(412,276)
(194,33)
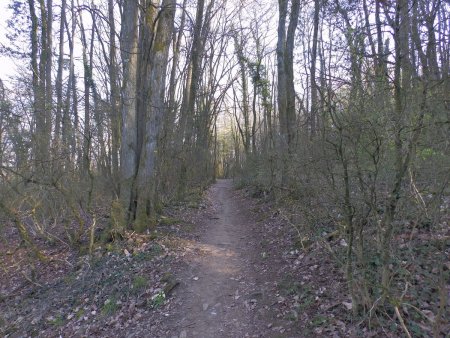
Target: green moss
(57,321)
(110,307)
(158,208)
(118,221)
(159,46)
(158,299)
(144,222)
(319,320)
(139,283)
(80,313)
(167,221)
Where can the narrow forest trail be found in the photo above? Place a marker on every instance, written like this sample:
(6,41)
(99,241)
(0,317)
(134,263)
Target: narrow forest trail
(220,287)
(219,274)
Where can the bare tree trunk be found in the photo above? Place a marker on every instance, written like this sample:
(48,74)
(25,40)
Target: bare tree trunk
(98,110)
(59,76)
(43,102)
(114,97)
(48,75)
(69,132)
(196,58)
(146,183)
(286,91)
(254,120)
(37,114)
(128,158)
(314,97)
(176,44)
(289,68)
(281,86)
(245,110)
(87,136)
(147,27)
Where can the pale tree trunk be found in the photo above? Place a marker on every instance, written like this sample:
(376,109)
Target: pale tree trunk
(281,71)
(156,108)
(87,136)
(59,76)
(35,70)
(128,158)
(69,131)
(238,46)
(176,44)
(114,97)
(147,28)
(42,102)
(202,118)
(314,96)
(289,66)
(2,113)
(195,69)
(48,75)
(102,161)
(286,91)
(430,17)
(254,120)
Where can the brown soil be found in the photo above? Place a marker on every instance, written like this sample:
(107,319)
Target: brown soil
(223,293)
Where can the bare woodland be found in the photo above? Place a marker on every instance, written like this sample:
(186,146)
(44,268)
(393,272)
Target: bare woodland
(335,111)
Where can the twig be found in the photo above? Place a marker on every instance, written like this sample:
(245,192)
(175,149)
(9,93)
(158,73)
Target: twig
(402,323)
(420,312)
(373,306)
(30,280)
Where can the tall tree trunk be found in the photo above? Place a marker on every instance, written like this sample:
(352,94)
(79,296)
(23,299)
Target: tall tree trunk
(195,64)
(43,103)
(98,110)
(128,158)
(238,46)
(146,182)
(193,78)
(87,135)
(314,96)
(48,75)
(37,114)
(289,68)
(176,44)
(147,31)
(286,91)
(59,76)
(281,71)
(254,120)
(114,97)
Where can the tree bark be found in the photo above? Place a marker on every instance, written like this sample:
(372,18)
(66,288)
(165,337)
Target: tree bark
(114,97)
(245,109)
(286,91)
(128,158)
(59,76)
(314,96)
(156,108)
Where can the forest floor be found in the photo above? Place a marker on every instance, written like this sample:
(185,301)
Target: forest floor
(225,265)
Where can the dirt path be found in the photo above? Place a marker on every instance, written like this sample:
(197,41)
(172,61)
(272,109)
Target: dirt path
(219,289)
